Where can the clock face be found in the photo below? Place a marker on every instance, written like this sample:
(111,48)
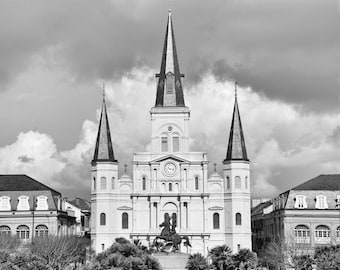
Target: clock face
(170,169)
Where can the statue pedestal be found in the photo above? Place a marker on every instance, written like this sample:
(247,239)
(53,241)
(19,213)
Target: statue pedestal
(172,261)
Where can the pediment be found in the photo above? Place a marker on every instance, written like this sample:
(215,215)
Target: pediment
(170,157)
(214,208)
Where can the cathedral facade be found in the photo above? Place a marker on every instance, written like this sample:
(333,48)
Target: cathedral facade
(170,181)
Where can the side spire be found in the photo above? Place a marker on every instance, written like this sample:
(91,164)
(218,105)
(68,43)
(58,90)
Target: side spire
(236,146)
(104,149)
(169,86)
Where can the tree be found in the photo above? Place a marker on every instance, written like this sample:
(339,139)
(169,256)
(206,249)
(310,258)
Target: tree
(245,259)
(327,257)
(221,257)
(125,255)
(59,252)
(196,262)
(303,262)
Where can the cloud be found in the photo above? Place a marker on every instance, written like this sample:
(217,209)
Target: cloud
(295,59)
(285,144)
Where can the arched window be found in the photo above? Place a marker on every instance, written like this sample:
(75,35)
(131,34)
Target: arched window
(143,183)
(164,144)
(228,182)
(170,187)
(237,182)
(102,183)
(125,221)
(175,143)
(338,232)
(163,187)
(196,183)
(302,234)
(5,230)
(238,219)
(322,234)
(41,231)
(23,232)
(216,221)
(113,182)
(94,183)
(23,203)
(246,182)
(5,204)
(102,219)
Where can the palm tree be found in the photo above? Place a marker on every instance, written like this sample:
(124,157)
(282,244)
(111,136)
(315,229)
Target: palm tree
(221,257)
(245,259)
(196,262)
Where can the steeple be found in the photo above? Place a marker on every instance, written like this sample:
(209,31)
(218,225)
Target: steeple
(169,86)
(236,146)
(104,149)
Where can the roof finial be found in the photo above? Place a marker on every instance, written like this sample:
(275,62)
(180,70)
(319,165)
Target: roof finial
(236,90)
(103,92)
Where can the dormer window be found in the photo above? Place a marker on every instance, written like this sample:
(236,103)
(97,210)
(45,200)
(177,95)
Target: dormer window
(321,202)
(23,203)
(337,202)
(5,204)
(42,203)
(300,202)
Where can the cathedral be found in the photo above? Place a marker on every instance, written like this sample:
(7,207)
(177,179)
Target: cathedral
(170,181)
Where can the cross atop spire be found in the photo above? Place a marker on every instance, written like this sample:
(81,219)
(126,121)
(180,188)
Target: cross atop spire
(236,146)
(169,86)
(103,150)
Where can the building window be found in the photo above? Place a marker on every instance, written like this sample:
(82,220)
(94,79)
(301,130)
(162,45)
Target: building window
(164,144)
(5,204)
(228,182)
(102,219)
(103,183)
(238,219)
(338,233)
(5,230)
(302,234)
(196,183)
(23,203)
(321,202)
(170,187)
(94,183)
(300,202)
(23,232)
(113,180)
(103,247)
(169,83)
(322,234)
(216,221)
(41,231)
(237,182)
(175,144)
(143,183)
(42,203)
(125,221)
(337,202)
(246,182)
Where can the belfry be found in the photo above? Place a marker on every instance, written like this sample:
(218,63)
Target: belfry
(170,181)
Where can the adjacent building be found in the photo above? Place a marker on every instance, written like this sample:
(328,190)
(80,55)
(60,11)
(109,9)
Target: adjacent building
(170,180)
(81,209)
(29,208)
(303,217)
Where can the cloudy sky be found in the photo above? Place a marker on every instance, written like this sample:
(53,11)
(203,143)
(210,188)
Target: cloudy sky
(54,56)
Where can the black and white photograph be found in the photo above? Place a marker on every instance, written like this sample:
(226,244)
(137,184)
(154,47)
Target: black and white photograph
(170,134)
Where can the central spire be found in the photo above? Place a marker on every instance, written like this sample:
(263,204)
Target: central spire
(169,86)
